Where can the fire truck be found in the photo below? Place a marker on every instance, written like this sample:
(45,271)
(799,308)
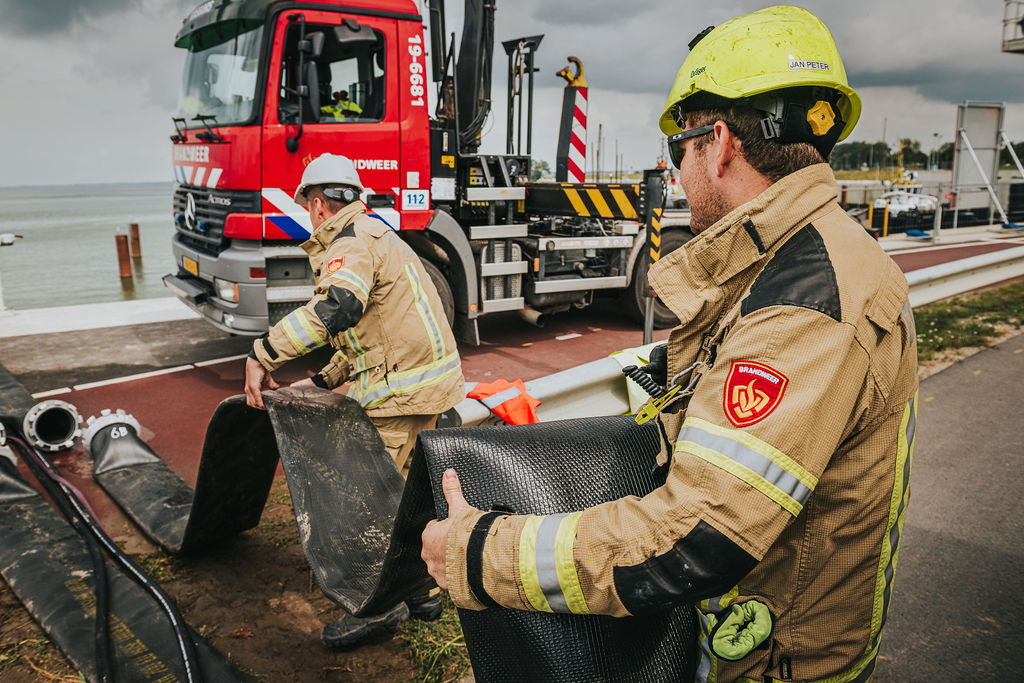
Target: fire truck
(271,84)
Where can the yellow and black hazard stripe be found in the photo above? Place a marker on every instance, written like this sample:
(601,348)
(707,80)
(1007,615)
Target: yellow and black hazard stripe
(586,200)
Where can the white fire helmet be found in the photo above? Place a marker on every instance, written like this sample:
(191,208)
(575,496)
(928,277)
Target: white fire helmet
(328,169)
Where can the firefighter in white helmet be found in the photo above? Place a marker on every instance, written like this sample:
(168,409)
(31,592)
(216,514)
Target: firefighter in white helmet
(376,304)
(789,475)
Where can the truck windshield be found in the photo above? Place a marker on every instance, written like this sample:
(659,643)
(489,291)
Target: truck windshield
(220,78)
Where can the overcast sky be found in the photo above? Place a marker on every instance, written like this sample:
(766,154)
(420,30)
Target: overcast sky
(90,85)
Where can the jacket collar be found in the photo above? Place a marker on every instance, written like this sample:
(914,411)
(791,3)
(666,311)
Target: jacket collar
(330,228)
(744,236)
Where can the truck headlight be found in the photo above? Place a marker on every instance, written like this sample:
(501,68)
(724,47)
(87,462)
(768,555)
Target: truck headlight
(226,290)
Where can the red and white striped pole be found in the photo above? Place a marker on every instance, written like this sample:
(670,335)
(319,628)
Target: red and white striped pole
(571,157)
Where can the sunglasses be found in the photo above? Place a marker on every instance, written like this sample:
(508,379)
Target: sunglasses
(675,142)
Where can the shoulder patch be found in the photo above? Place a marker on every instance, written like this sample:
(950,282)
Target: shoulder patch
(800,274)
(348,231)
(752,392)
(335,263)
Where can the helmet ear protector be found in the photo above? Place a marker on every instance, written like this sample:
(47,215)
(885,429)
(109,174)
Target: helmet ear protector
(339,194)
(802,114)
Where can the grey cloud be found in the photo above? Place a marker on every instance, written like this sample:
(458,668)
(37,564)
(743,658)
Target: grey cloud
(46,17)
(944,82)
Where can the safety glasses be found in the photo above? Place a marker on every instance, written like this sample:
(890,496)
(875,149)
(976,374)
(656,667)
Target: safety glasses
(675,142)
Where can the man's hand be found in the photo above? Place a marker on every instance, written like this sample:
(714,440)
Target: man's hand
(256,377)
(435,536)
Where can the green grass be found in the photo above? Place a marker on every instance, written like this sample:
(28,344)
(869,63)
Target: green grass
(438,647)
(968,320)
(159,565)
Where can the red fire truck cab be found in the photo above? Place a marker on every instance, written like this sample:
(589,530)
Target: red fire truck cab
(271,84)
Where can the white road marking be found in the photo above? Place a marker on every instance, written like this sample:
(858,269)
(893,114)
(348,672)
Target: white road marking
(572,335)
(51,392)
(204,363)
(129,378)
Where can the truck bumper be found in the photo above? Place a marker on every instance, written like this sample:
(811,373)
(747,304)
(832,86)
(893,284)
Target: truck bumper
(246,317)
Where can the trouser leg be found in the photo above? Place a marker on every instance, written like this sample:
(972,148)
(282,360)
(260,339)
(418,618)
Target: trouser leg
(399,436)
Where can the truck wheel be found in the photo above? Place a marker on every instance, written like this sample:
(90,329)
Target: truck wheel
(444,290)
(635,299)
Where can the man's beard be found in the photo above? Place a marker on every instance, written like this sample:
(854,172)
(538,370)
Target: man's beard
(707,205)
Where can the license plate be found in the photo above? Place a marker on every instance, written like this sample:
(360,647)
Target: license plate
(190,265)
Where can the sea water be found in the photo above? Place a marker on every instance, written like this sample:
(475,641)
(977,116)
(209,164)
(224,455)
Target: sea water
(68,255)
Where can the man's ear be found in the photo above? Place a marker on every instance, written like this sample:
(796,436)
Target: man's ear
(727,148)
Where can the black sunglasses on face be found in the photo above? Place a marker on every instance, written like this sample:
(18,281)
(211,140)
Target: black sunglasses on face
(675,142)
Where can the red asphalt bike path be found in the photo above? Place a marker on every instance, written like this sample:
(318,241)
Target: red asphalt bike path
(173,409)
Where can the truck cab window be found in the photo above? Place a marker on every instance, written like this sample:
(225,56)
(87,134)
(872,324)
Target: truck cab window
(350,75)
(220,75)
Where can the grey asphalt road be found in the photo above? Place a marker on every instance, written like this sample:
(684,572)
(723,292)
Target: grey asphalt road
(958,600)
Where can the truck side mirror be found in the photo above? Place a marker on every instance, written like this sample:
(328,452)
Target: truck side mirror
(312,85)
(312,45)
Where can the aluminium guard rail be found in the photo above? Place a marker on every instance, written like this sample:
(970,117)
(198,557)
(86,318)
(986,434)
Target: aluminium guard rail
(599,387)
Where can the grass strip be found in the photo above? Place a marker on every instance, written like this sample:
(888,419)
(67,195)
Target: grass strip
(969,320)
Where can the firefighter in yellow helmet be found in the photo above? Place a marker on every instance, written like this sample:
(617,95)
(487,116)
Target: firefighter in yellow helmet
(788,483)
(376,304)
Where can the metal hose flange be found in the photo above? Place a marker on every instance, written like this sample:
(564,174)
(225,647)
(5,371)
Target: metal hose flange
(52,425)
(106,418)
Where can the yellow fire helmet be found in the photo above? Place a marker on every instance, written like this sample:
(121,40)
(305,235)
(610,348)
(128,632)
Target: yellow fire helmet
(782,60)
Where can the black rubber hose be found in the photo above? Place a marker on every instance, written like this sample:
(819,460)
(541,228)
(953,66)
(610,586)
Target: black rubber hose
(99,564)
(46,471)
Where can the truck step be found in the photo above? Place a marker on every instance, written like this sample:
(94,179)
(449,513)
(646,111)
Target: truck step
(298,293)
(500,231)
(577,284)
(507,268)
(565,243)
(270,253)
(495,194)
(496,305)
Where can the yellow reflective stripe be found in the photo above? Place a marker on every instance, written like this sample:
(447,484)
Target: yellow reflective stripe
(397,382)
(743,473)
(889,554)
(565,564)
(314,336)
(426,315)
(293,336)
(346,275)
(763,447)
(353,341)
(624,206)
(528,565)
(576,201)
(599,203)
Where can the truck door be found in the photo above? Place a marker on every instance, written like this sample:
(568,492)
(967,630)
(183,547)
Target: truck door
(357,114)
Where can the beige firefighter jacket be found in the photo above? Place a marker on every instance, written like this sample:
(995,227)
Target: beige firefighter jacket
(789,480)
(377,305)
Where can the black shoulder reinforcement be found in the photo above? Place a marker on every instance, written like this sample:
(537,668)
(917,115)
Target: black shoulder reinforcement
(340,310)
(800,274)
(700,565)
(348,231)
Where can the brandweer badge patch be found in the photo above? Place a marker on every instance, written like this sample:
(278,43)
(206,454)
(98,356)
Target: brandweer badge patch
(752,391)
(335,263)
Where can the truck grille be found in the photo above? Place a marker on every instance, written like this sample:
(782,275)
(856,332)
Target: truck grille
(204,229)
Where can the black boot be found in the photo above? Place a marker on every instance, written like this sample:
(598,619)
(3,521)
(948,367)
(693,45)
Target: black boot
(350,631)
(425,607)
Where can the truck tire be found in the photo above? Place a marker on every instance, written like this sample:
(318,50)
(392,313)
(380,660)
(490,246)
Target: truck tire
(635,299)
(444,290)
